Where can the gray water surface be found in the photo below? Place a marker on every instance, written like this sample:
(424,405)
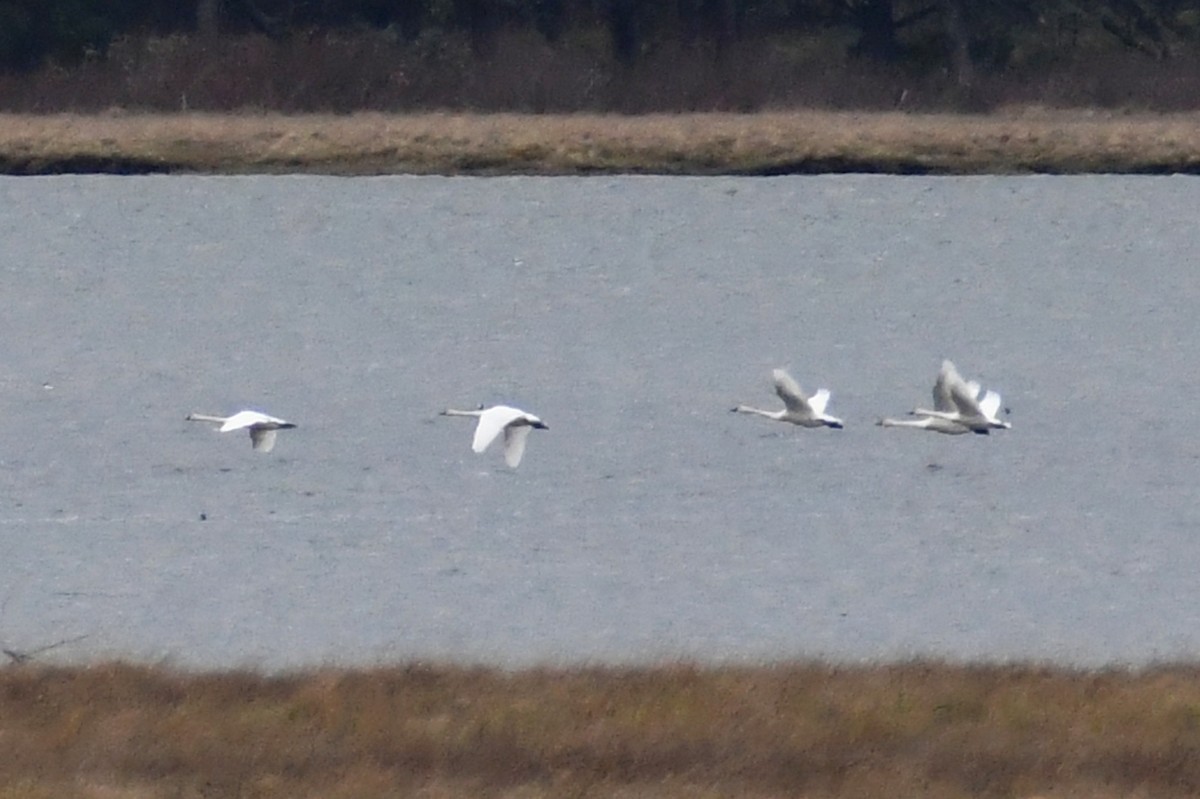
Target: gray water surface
(630,314)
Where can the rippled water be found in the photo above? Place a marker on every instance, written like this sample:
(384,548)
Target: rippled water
(631,314)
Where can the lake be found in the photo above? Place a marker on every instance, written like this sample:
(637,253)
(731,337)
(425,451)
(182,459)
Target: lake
(631,313)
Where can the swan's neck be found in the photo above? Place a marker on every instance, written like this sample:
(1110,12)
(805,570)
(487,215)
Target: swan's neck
(452,412)
(937,424)
(924,422)
(204,417)
(760,412)
(952,416)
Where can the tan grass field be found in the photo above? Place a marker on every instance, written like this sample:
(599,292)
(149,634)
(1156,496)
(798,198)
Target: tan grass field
(117,731)
(1015,142)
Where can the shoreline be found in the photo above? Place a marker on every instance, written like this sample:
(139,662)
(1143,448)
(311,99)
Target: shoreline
(1020,141)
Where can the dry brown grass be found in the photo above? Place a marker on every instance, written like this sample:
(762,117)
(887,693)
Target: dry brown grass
(1018,141)
(811,730)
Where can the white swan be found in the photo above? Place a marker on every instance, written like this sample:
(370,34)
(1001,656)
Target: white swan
(513,422)
(798,409)
(944,404)
(262,427)
(956,400)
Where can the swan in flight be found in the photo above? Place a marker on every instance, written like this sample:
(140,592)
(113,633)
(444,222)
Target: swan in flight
(513,422)
(943,402)
(262,427)
(798,409)
(958,401)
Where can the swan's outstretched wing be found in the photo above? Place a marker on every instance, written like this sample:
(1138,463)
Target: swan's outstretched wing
(514,443)
(818,401)
(491,423)
(262,439)
(990,404)
(962,394)
(964,398)
(942,400)
(789,391)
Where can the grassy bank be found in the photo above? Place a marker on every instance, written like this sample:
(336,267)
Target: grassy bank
(750,144)
(919,729)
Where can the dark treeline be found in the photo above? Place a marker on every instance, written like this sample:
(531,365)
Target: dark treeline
(440,51)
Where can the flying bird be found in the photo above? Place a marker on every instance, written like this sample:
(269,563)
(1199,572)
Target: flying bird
(514,423)
(262,427)
(798,409)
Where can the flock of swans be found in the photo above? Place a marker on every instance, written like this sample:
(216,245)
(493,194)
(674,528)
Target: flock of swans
(959,406)
(514,423)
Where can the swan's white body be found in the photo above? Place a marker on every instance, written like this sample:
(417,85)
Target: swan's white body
(262,427)
(513,422)
(957,401)
(798,409)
